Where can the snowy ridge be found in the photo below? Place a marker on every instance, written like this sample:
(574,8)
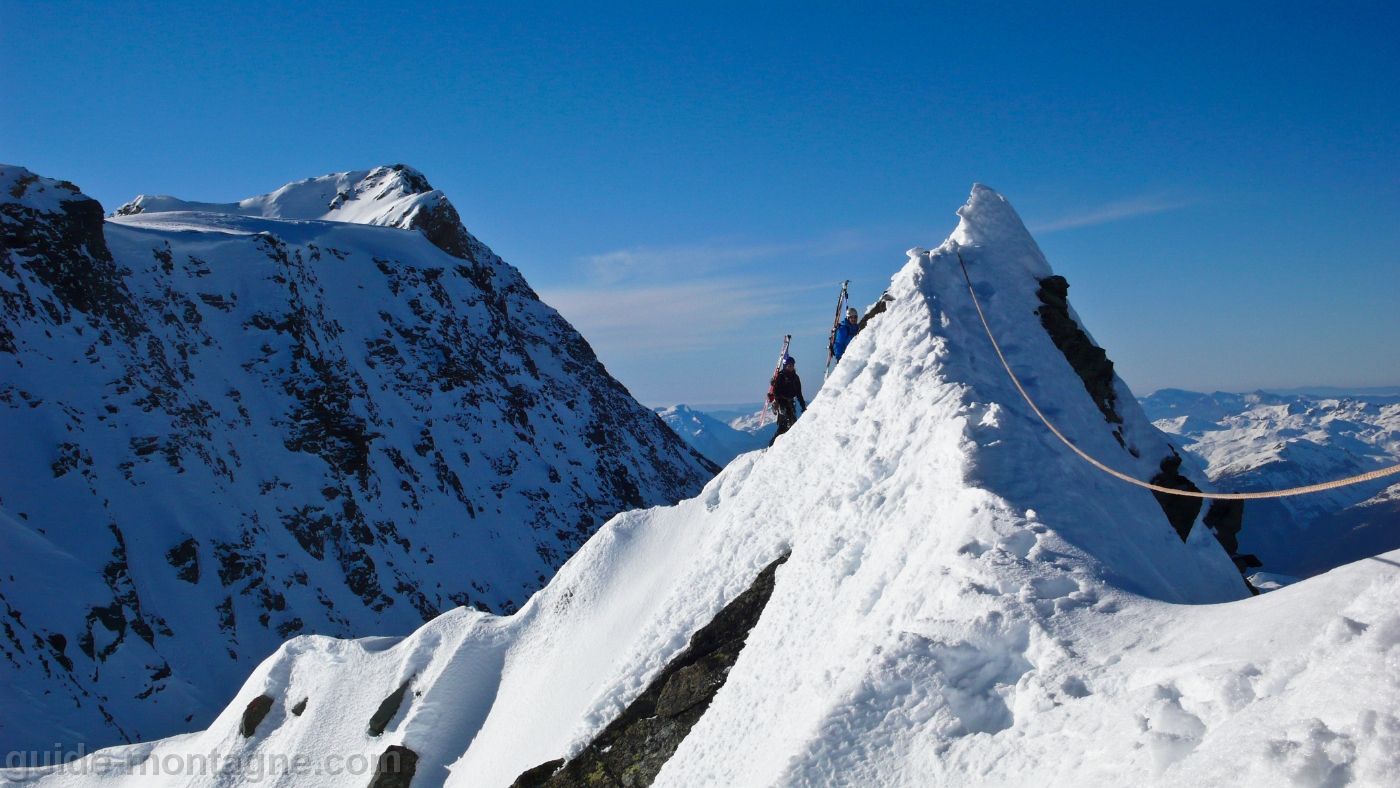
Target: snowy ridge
(223,429)
(965,603)
(387,196)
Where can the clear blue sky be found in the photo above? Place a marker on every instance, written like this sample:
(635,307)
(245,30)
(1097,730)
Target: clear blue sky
(1219,182)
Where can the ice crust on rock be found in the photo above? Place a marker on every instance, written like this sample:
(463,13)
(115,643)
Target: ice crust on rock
(966,602)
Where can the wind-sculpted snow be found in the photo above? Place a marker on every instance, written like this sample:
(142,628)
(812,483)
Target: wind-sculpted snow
(965,603)
(223,429)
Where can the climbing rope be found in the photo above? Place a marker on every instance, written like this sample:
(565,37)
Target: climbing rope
(1365,477)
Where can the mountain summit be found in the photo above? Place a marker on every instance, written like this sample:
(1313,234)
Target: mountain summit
(327,409)
(397,196)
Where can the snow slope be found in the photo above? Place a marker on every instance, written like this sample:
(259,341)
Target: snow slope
(965,603)
(1264,441)
(710,436)
(329,409)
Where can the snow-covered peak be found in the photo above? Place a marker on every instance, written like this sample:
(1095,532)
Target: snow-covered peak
(718,441)
(684,412)
(220,428)
(989,218)
(396,196)
(386,196)
(19,186)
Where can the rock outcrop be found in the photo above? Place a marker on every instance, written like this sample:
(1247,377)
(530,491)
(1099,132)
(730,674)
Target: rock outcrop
(632,749)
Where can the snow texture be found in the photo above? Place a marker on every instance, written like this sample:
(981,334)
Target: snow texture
(1268,581)
(966,603)
(329,409)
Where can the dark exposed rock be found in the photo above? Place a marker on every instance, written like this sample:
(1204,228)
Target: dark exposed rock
(538,776)
(1094,368)
(395,768)
(253,715)
(387,709)
(228,620)
(632,749)
(1181,510)
(1089,361)
(300,708)
(185,558)
(66,251)
(71,457)
(113,617)
(443,227)
(878,309)
(1244,563)
(59,644)
(1225,518)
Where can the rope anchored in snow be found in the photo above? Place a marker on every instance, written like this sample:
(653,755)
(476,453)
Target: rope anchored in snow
(1364,477)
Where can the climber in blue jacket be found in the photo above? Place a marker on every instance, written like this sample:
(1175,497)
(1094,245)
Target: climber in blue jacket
(845,333)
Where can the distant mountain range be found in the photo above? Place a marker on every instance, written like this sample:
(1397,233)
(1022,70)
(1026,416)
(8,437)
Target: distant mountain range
(1268,441)
(1369,393)
(720,432)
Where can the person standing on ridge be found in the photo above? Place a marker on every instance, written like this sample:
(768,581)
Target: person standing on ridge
(845,333)
(785,387)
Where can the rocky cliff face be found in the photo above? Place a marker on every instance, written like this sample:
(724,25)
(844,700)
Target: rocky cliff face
(328,409)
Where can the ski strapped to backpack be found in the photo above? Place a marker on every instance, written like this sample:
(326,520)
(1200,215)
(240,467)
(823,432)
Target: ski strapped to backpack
(841,302)
(782,359)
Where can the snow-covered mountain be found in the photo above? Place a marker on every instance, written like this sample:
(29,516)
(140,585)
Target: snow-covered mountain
(917,585)
(1264,441)
(710,436)
(759,424)
(328,409)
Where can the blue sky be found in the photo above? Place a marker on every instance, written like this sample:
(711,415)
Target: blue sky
(1220,183)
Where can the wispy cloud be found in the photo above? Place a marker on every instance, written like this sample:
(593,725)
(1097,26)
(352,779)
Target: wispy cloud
(1112,212)
(648,301)
(706,255)
(697,260)
(684,317)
